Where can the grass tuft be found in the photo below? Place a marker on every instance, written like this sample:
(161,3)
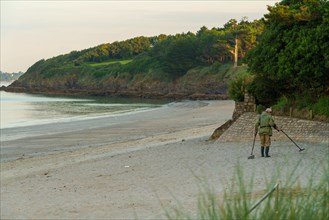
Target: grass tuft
(288,201)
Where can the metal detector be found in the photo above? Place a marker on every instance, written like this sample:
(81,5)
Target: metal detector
(300,149)
(252,150)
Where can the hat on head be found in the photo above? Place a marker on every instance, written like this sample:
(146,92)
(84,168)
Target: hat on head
(268,110)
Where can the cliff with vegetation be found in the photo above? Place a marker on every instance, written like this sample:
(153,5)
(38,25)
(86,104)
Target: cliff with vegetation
(198,83)
(281,60)
(187,65)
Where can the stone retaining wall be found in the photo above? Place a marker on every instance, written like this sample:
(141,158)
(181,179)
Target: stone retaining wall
(298,129)
(241,127)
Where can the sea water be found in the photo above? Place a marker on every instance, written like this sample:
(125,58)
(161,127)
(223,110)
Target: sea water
(20,109)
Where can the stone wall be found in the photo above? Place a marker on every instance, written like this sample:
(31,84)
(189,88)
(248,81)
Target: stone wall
(238,110)
(299,130)
(242,125)
(220,131)
(248,105)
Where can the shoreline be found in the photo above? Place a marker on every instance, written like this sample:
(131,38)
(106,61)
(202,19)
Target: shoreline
(174,95)
(99,131)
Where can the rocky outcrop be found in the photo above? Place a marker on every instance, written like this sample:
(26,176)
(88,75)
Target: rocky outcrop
(204,88)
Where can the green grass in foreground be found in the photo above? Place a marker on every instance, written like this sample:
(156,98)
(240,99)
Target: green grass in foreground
(123,62)
(293,202)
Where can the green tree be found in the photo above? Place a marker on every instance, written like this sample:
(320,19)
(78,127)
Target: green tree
(209,45)
(291,57)
(182,55)
(236,33)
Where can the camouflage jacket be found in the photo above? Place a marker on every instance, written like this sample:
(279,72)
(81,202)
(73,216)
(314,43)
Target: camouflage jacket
(264,124)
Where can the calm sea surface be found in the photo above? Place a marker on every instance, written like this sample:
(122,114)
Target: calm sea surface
(19,109)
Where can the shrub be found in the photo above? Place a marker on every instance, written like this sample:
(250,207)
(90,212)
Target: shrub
(238,86)
(305,101)
(260,108)
(322,106)
(282,104)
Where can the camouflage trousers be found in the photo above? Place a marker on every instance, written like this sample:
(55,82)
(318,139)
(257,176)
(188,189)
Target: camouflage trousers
(265,140)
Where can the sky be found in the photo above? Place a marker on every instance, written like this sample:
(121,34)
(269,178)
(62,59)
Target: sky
(42,29)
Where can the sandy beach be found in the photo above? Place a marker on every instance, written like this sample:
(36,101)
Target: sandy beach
(135,166)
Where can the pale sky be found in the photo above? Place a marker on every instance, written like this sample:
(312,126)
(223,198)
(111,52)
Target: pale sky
(35,30)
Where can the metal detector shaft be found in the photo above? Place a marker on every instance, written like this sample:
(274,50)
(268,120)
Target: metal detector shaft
(253,144)
(300,149)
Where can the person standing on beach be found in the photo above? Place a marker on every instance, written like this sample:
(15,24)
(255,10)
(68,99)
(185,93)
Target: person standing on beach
(264,128)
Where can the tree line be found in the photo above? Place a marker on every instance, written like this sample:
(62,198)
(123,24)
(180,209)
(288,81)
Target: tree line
(171,54)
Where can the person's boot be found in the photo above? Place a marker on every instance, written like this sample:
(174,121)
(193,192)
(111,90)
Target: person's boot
(262,151)
(267,149)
